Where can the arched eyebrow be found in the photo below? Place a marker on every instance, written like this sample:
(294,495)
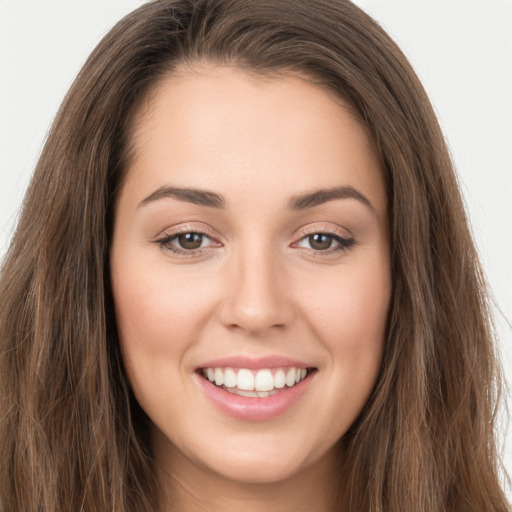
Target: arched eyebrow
(214,200)
(189,195)
(317,197)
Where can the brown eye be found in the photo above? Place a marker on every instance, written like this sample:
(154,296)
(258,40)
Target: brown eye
(326,243)
(320,242)
(187,243)
(190,241)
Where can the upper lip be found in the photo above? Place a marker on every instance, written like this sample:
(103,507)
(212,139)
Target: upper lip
(270,361)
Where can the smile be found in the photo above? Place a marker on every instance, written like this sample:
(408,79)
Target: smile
(255,383)
(255,390)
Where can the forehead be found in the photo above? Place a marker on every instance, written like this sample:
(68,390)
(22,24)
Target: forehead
(212,127)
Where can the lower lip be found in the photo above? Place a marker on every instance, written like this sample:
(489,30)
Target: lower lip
(254,408)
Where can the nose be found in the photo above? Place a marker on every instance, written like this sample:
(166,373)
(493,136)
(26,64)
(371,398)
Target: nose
(257,298)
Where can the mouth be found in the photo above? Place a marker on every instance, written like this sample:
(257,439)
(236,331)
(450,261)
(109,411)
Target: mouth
(256,383)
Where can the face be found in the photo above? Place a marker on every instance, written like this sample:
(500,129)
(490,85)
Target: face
(251,273)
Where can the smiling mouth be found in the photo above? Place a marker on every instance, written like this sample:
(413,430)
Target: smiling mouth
(256,383)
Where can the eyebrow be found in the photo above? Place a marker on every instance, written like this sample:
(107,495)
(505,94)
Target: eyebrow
(214,200)
(322,196)
(189,195)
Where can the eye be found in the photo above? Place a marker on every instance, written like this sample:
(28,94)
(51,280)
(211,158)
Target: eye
(190,241)
(325,242)
(319,241)
(186,243)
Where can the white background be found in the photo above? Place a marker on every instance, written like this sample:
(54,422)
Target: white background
(461,49)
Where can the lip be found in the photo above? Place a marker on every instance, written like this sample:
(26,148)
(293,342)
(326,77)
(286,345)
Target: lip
(253,408)
(252,363)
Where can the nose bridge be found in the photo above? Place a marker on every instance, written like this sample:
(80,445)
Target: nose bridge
(256,298)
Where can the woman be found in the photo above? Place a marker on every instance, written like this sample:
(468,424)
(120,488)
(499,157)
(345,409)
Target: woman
(243,277)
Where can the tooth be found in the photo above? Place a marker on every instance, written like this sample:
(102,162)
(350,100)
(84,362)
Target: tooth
(303,373)
(251,394)
(245,380)
(262,394)
(219,377)
(279,379)
(229,378)
(290,377)
(211,374)
(264,381)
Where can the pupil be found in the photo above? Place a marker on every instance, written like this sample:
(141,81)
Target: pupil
(320,242)
(190,240)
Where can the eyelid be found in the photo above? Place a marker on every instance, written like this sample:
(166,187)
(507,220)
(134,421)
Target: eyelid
(187,228)
(344,241)
(165,237)
(328,230)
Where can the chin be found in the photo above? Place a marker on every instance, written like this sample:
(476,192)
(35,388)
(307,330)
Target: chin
(257,461)
(257,470)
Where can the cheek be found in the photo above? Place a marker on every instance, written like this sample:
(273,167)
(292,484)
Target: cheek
(352,306)
(157,317)
(349,315)
(154,307)
(350,319)
(144,312)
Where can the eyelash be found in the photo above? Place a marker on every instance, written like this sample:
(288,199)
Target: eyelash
(344,244)
(165,242)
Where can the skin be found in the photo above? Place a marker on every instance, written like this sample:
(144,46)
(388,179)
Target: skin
(258,286)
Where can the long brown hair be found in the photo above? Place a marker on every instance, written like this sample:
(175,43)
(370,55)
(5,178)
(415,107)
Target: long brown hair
(72,436)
